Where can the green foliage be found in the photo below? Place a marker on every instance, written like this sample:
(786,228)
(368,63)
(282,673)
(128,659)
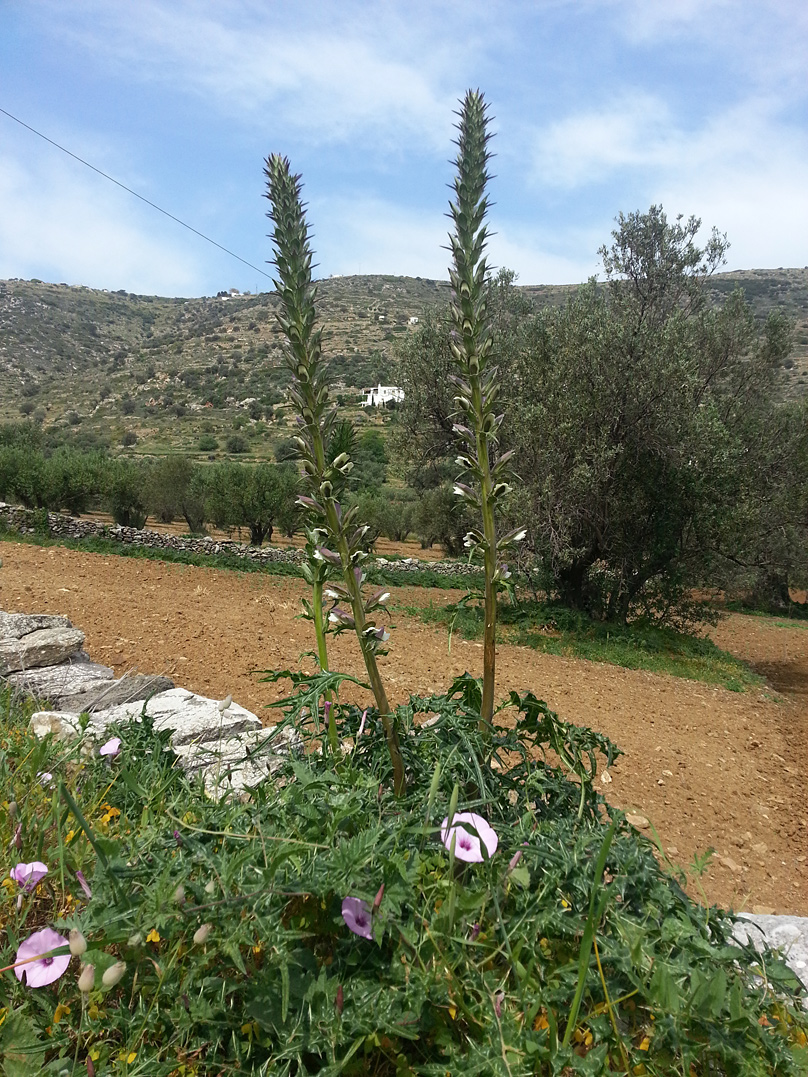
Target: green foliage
(472,967)
(440,517)
(62,479)
(237,444)
(258,497)
(651,442)
(177,488)
(556,629)
(650,408)
(125,485)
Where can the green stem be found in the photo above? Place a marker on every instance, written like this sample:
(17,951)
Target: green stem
(490,564)
(376,684)
(322,657)
(592,920)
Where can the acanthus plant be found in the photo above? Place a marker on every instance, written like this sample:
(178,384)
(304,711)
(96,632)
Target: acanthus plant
(476,379)
(334,536)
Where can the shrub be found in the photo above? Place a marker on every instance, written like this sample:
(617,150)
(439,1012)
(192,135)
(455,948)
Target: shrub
(341,932)
(237,444)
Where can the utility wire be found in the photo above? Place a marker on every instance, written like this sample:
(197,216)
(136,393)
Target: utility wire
(129,190)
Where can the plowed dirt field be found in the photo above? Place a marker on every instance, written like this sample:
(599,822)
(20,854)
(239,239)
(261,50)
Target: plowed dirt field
(708,767)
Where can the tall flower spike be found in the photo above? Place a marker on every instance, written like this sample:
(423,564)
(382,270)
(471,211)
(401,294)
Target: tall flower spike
(324,462)
(471,344)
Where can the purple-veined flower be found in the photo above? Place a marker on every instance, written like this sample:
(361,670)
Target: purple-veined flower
(28,875)
(111,748)
(358,916)
(34,962)
(469,846)
(84,885)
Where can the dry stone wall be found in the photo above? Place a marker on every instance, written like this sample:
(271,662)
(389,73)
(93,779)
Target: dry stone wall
(29,521)
(217,739)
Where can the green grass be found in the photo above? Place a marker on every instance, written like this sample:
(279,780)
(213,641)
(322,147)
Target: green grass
(797,612)
(554,629)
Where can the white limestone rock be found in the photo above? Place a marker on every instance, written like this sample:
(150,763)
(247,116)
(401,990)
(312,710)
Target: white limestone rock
(233,765)
(52,683)
(17,625)
(42,647)
(192,718)
(786,933)
(63,725)
(131,688)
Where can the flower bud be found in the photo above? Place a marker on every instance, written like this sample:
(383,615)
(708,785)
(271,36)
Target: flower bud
(210,888)
(223,704)
(179,895)
(201,934)
(78,943)
(114,974)
(87,979)
(12,809)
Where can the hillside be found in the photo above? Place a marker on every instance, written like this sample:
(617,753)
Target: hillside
(165,373)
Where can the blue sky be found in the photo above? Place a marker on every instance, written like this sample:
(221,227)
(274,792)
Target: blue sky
(599,106)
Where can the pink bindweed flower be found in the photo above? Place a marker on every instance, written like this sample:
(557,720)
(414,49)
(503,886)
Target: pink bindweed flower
(34,962)
(468,846)
(358,916)
(45,778)
(28,875)
(111,748)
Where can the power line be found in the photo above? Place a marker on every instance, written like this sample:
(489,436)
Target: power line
(129,190)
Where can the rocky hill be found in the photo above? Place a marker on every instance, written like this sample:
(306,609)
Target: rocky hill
(161,373)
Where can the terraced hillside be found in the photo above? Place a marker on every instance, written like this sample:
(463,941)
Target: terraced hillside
(165,374)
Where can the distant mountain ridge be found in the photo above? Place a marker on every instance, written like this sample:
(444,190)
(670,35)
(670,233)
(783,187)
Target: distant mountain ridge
(104,360)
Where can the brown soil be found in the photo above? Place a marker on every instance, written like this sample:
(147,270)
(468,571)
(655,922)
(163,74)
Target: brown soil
(708,767)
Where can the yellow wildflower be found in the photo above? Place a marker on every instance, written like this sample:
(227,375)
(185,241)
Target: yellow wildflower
(61,1010)
(153,935)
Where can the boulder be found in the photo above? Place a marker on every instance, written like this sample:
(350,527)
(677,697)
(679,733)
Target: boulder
(51,683)
(17,625)
(234,764)
(192,718)
(229,748)
(786,933)
(131,688)
(42,647)
(63,725)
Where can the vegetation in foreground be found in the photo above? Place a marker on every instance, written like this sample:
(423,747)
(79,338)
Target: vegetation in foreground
(323,926)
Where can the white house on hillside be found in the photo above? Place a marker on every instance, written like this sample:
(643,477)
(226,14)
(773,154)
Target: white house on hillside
(381,395)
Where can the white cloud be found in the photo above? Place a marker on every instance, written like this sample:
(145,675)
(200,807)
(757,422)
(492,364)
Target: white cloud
(535,259)
(362,72)
(370,235)
(580,149)
(58,227)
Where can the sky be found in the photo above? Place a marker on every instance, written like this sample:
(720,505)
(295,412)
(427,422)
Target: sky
(598,107)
